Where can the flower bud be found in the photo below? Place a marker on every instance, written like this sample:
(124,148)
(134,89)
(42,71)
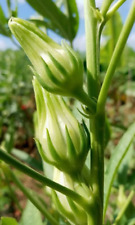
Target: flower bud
(65,205)
(58,68)
(62,141)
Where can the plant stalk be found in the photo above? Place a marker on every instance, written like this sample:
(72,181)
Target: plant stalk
(91,48)
(45,181)
(97,126)
(113,9)
(97,123)
(105,6)
(32,198)
(115,58)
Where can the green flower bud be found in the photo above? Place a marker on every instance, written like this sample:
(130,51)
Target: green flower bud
(62,141)
(65,205)
(58,68)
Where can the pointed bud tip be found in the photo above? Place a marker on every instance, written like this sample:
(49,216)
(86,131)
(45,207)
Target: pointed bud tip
(11,21)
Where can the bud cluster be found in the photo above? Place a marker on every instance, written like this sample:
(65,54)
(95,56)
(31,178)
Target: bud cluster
(61,140)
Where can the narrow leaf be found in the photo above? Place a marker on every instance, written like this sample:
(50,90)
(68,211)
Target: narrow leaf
(49,10)
(115,161)
(73,17)
(64,24)
(3,19)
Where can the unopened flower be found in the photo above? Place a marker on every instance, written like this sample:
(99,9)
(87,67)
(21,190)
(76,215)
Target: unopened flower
(58,68)
(65,205)
(62,141)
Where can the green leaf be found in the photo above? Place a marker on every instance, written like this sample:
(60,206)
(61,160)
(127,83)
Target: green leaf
(115,161)
(122,177)
(8,221)
(3,19)
(31,215)
(45,23)
(3,23)
(73,17)
(9,3)
(49,10)
(66,25)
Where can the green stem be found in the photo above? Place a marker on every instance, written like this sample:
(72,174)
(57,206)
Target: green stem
(92,53)
(37,176)
(125,206)
(96,122)
(113,9)
(105,6)
(115,58)
(109,14)
(32,198)
(97,125)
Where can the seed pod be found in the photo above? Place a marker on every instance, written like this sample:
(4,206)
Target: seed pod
(61,140)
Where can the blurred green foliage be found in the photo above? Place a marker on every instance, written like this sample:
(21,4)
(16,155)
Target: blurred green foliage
(16,97)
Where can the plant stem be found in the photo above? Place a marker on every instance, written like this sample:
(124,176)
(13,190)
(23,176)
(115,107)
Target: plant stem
(32,198)
(91,48)
(37,176)
(105,6)
(97,122)
(125,206)
(113,9)
(109,14)
(115,58)
(97,163)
